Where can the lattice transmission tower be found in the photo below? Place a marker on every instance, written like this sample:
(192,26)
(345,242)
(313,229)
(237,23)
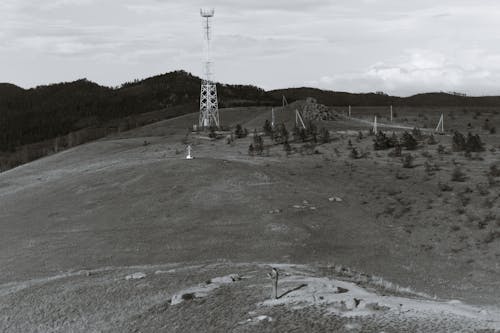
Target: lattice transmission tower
(209,106)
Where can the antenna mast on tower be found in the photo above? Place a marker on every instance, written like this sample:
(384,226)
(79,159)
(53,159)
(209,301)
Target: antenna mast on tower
(209,106)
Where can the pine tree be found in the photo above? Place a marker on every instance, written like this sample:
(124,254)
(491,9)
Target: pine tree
(408,141)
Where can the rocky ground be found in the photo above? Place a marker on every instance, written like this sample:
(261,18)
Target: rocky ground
(195,298)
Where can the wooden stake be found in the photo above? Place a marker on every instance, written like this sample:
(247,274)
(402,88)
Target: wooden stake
(274,275)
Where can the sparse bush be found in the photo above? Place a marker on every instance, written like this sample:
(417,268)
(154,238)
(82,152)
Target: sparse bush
(251,150)
(445,187)
(417,133)
(239,132)
(258,143)
(474,143)
(212,134)
(408,141)
(492,235)
(287,148)
(303,134)
(268,129)
(494,171)
(324,135)
(441,150)
(408,161)
(458,175)
(426,154)
(458,142)
(308,148)
(281,134)
(396,152)
(482,189)
(296,133)
(354,154)
(430,168)
(486,125)
(382,142)
(431,140)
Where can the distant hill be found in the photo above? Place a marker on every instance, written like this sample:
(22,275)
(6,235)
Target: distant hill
(46,112)
(334,98)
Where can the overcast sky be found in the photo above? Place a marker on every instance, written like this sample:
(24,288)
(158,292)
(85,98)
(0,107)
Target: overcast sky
(394,46)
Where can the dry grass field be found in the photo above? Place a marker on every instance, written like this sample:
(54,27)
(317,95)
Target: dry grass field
(76,224)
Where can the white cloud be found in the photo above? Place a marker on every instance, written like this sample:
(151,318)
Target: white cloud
(355,45)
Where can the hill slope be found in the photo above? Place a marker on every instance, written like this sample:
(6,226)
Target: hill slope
(76,224)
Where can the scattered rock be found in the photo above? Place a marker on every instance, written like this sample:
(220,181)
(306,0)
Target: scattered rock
(356,302)
(341,290)
(263,317)
(377,307)
(335,199)
(135,276)
(226,279)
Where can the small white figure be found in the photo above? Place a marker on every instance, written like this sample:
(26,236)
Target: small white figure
(189,157)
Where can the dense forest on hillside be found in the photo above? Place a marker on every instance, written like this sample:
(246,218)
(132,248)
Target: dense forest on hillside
(45,112)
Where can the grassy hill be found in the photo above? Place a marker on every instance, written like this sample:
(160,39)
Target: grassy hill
(76,225)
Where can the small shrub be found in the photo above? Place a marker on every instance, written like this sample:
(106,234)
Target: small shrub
(408,161)
(287,148)
(239,132)
(408,141)
(383,142)
(416,133)
(492,235)
(494,171)
(474,143)
(426,154)
(431,140)
(482,189)
(458,175)
(445,187)
(430,168)
(396,152)
(268,129)
(324,135)
(441,150)
(251,150)
(458,142)
(354,154)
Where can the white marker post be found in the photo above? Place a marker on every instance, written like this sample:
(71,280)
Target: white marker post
(274,275)
(440,126)
(349,111)
(272,118)
(189,157)
(297,118)
(391,114)
(375,126)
